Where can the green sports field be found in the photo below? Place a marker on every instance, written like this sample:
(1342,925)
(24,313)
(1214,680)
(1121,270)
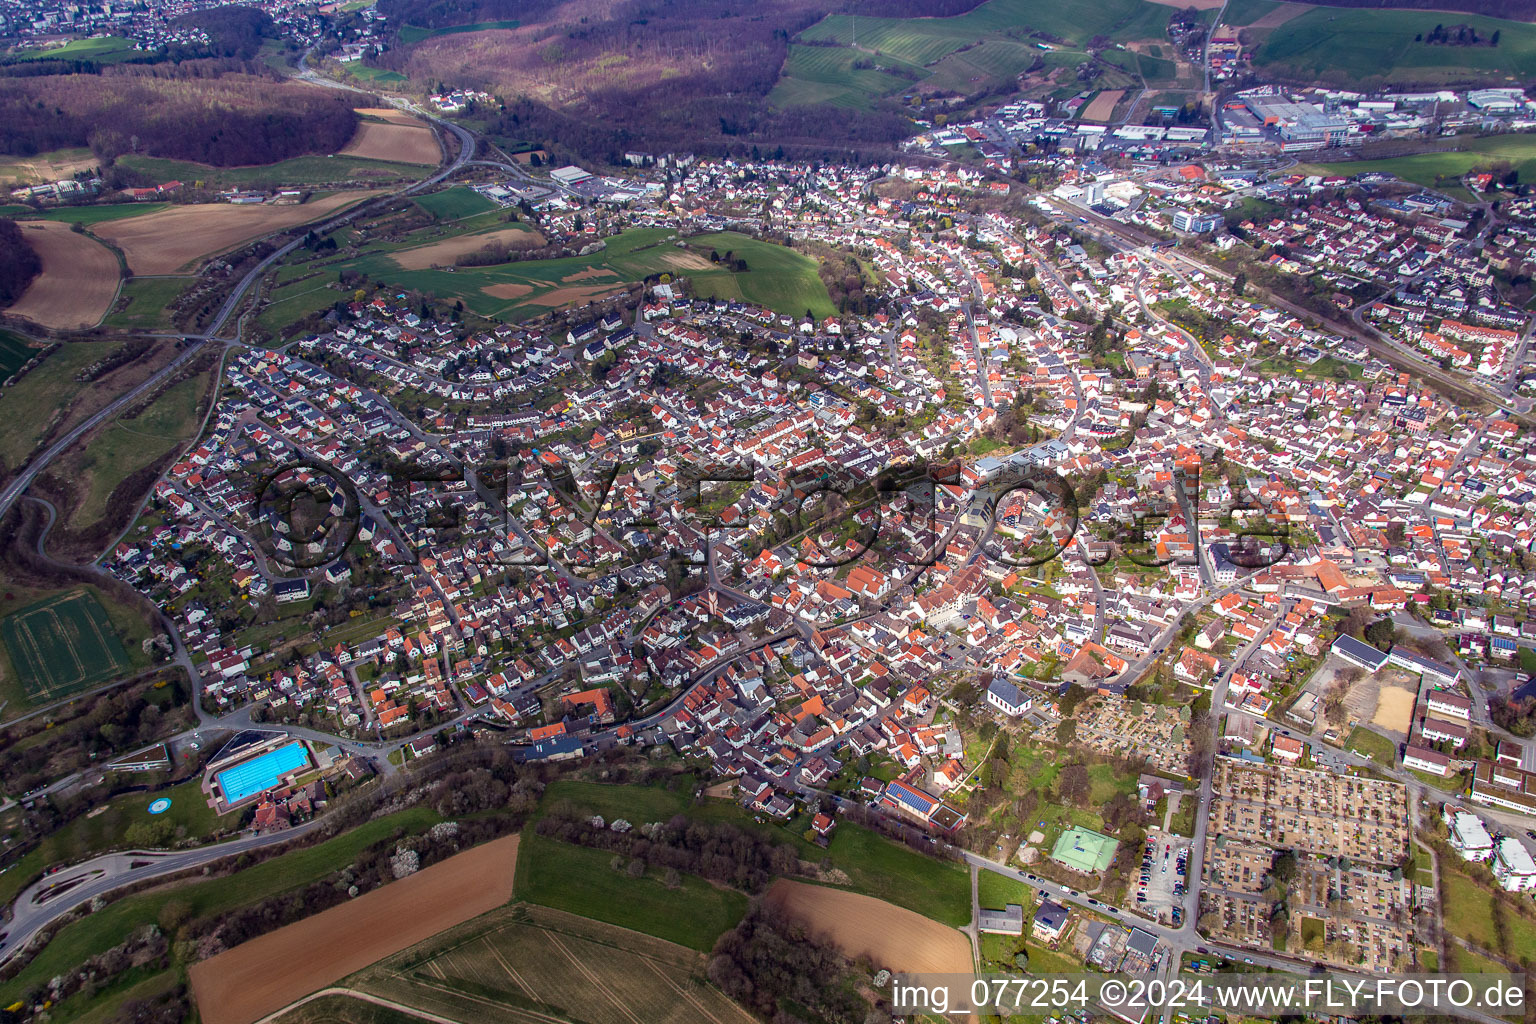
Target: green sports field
(1366,46)
(62,645)
(455,203)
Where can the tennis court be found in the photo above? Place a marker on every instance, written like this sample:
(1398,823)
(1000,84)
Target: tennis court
(260,774)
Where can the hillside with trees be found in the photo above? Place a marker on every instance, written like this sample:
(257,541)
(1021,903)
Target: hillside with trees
(185,112)
(18,262)
(591,82)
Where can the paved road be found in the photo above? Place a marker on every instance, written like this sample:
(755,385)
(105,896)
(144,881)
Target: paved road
(24,479)
(54,895)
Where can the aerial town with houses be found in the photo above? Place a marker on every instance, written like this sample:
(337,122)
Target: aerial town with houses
(1108,544)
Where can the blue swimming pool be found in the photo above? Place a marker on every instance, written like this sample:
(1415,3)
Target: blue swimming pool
(261,773)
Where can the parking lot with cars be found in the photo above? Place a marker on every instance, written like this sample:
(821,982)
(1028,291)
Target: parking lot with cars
(1163,878)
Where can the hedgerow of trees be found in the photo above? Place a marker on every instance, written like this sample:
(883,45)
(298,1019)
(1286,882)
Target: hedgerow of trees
(18,262)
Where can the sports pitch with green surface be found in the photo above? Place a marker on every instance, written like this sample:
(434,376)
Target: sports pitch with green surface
(62,645)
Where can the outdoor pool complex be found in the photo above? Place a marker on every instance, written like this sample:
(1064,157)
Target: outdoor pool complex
(261,773)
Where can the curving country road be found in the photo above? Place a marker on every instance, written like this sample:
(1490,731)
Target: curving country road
(23,480)
(55,895)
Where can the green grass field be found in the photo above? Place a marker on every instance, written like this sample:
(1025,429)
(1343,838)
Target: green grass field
(1372,745)
(301,170)
(580,881)
(1468,910)
(779,278)
(99,932)
(148,299)
(118,450)
(455,203)
(14,353)
(875,866)
(1445,169)
(983,48)
(290,303)
(1367,46)
(922,41)
(776,277)
(89,215)
(85,837)
(995,891)
(415,33)
(822,74)
(374,76)
(103,49)
(27,407)
(62,645)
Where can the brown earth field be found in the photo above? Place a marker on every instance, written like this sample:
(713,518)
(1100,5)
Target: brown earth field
(20,170)
(686,261)
(591,273)
(1103,105)
(169,240)
(509,290)
(78,282)
(1280,16)
(401,143)
(571,295)
(390,114)
(892,937)
(264,975)
(443,253)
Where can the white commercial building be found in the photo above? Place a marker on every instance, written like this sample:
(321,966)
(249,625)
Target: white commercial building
(1512,865)
(1468,835)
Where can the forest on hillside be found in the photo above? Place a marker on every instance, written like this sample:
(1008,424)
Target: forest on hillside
(589,83)
(192,111)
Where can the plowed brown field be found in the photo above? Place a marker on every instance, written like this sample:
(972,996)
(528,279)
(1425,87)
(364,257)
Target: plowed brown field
(892,937)
(78,282)
(402,143)
(442,254)
(262,976)
(167,240)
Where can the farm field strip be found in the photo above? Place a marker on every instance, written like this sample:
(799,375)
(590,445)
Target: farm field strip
(400,138)
(891,936)
(78,282)
(528,963)
(239,985)
(183,236)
